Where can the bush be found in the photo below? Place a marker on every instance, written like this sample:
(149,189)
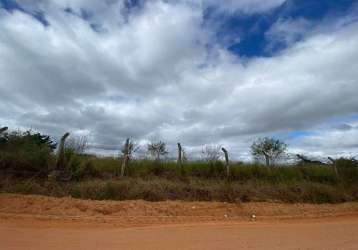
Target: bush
(105,167)
(347,169)
(26,152)
(320,174)
(84,169)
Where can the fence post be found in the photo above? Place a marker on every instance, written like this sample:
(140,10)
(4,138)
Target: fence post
(125,157)
(226,162)
(61,164)
(334,166)
(179,161)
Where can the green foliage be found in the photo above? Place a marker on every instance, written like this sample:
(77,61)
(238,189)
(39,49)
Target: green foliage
(3,135)
(129,147)
(89,166)
(268,148)
(41,140)
(157,149)
(95,177)
(347,169)
(25,138)
(319,173)
(106,167)
(26,152)
(3,129)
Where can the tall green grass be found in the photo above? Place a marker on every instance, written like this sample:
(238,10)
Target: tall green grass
(108,167)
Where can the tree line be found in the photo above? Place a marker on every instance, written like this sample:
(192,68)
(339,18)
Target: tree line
(29,145)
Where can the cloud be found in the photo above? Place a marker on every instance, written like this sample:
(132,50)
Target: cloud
(157,72)
(244,6)
(285,32)
(335,142)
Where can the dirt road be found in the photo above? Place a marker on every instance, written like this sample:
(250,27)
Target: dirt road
(37,222)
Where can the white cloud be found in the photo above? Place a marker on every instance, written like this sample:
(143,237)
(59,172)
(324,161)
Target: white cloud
(330,141)
(151,74)
(287,31)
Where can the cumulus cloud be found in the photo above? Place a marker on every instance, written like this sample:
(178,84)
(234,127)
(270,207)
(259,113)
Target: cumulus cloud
(157,72)
(336,141)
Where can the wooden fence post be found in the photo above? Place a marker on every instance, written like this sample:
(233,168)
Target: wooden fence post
(125,157)
(226,162)
(61,164)
(179,161)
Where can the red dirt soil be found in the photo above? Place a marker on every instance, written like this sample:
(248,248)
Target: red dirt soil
(39,222)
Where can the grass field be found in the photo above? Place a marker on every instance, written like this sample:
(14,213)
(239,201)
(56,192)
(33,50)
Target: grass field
(95,178)
(28,165)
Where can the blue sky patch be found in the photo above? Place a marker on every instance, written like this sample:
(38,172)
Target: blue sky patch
(244,34)
(11,5)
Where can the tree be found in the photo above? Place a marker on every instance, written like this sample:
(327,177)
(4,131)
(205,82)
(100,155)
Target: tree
(345,168)
(211,153)
(40,139)
(26,152)
(268,148)
(78,145)
(3,135)
(156,149)
(127,150)
(29,137)
(3,129)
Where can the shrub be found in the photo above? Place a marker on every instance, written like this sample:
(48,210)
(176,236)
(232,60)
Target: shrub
(27,152)
(347,169)
(84,169)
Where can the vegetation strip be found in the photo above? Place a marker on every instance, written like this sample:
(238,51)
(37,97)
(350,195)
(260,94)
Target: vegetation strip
(29,164)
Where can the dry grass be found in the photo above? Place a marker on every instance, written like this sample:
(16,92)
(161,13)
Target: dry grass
(188,189)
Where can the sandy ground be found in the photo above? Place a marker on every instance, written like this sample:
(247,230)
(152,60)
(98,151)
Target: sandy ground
(39,222)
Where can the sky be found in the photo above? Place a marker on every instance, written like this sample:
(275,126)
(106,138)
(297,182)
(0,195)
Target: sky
(199,72)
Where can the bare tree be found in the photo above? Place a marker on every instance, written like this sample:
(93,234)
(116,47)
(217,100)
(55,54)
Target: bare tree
(268,148)
(211,153)
(78,145)
(127,150)
(157,149)
(334,165)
